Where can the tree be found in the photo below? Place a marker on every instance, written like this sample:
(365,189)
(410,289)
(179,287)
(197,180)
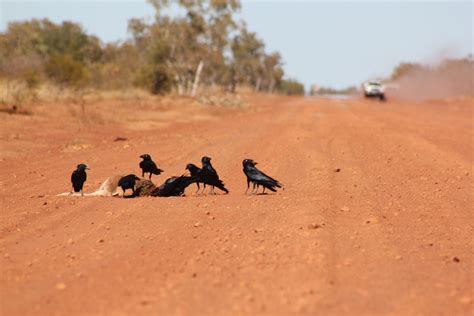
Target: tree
(247,52)
(291,87)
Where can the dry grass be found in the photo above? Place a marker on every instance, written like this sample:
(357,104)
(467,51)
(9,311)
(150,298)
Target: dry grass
(133,108)
(14,93)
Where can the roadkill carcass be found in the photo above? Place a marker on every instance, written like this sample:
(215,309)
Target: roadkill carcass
(174,186)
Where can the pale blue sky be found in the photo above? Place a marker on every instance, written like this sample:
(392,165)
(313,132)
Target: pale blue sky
(330,43)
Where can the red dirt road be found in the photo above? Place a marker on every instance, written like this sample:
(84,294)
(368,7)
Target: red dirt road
(391,233)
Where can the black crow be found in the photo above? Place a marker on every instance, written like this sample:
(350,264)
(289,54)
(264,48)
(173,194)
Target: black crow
(174,186)
(197,173)
(209,175)
(128,182)
(149,166)
(78,177)
(258,178)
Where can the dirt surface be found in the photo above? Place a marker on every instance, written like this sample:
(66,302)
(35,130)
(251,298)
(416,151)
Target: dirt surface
(376,217)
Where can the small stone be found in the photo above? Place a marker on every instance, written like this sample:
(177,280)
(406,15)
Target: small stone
(70,241)
(345,209)
(337,169)
(45,203)
(60,286)
(314,226)
(208,213)
(398,257)
(197,224)
(456,259)
(100,241)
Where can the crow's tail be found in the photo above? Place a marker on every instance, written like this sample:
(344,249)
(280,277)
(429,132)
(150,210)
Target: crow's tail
(157,171)
(271,184)
(220,185)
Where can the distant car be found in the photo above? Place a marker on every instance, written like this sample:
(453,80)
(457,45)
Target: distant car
(374,89)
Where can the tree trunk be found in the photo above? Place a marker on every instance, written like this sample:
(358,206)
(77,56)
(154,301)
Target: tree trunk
(257,85)
(196,78)
(180,85)
(271,86)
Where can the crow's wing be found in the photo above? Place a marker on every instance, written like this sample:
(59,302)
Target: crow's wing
(256,175)
(142,164)
(152,164)
(174,186)
(210,171)
(154,168)
(197,173)
(77,177)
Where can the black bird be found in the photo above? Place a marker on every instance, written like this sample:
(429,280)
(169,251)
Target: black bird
(197,173)
(258,178)
(78,177)
(128,182)
(174,186)
(149,166)
(209,176)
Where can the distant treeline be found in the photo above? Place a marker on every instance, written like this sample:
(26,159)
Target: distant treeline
(204,45)
(333,91)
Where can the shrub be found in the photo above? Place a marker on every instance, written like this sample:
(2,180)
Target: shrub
(32,78)
(156,79)
(291,87)
(64,70)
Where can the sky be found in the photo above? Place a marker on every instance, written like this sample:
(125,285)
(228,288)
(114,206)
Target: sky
(328,43)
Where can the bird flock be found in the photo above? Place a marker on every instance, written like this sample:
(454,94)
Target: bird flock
(175,186)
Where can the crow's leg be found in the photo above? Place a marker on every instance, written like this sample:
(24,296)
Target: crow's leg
(82,193)
(255,188)
(248,186)
(204,189)
(150,176)
(263,190)
(143,173)
(199,187)
(212,191)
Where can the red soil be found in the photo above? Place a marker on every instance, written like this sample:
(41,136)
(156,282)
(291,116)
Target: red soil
(390,233)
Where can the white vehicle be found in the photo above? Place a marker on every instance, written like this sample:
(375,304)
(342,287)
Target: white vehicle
(374,88)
